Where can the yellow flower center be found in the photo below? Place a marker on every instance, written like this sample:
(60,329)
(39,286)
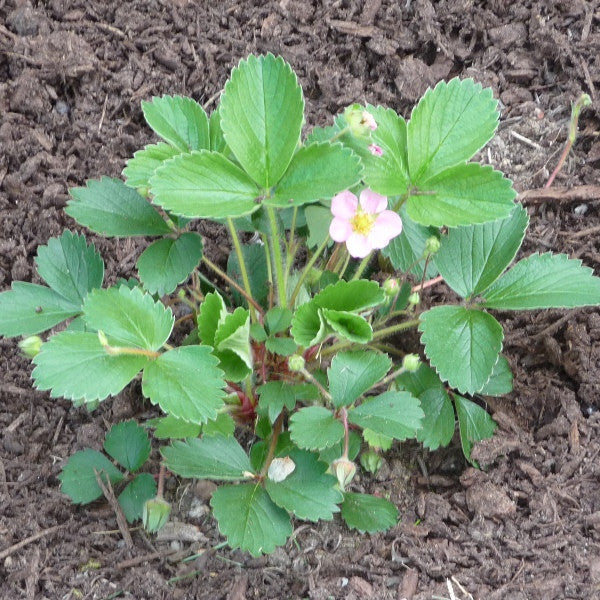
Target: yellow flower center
(362,222)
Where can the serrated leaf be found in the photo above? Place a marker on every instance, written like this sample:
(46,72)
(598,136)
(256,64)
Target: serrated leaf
(166,263)
(462,344)
(129,316)
(314,428)
(29,308)
(351,374)
(449,124)
(217,141)
(283,346)
(204,184)
(544,281)
(471,258)
(258,274)
(222,425)
(211,315)
(368,514)
(377,440)
(112,208)
(128,444)
(395,414)
(438,425)
(274,395)
(186,383)
(171,427)
(144,163)
(424,378)
(210,457)
(180,121)
(135,495)
(278,319)
(463,195)
(475,424)
(249,519)
(348,325)
(233,336)
(262,110)
(501,380)
(317,172)
(78,480)
(308,492)
(74,365)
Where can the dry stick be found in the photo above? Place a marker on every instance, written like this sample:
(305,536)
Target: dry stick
(581,193)
(109,494)
(26,541)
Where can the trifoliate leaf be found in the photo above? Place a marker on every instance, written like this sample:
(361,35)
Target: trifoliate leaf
(475,424)
(128,444)
(368,514)
(315,428)
(438,425)
(135,495)
(501,381)
(144,163)
(274,395)
(171,427)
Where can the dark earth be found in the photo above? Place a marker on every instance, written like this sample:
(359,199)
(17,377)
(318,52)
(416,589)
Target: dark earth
(72,75)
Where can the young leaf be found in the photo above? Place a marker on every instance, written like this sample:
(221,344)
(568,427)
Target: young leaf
(210,457)
(314,428)
(249,519)
(274,395)
(283,346)
(471,258)
(76,366)
(475,424)
(463,195)
(135,495)
(317,172)
(351,374)
(112,208)
(144,163)
(204,184)
(172,428)
(262,110)
(501,381)
(438,424)
(233,336)
(258,274)
(278,319)
(348,325)
(180,121)
(129,316)
(544,281)
(166,263)
(128,444)
(308,492)
(78,479)
(450,123)
(368,514)
(210,317)
(186,383)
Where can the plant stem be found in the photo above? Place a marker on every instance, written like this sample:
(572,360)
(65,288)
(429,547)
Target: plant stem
(277,427)
(309,265)
(395,329)
(344,415)
(161,481)
(310,377)
(277,257)
(363,265)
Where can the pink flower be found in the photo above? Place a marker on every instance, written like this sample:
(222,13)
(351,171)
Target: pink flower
(375,150)
(364,225)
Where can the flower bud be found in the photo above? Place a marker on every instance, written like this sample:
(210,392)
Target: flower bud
(296,363)
(344,470)
(411,363)
(30,346)
(414,299)
(371,461)
(391,287)
(432,245)
(155,514)
(360,122)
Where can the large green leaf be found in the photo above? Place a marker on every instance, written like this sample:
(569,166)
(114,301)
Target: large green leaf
(448,125)
(112,208)
(204,184)
(314,428)
(76,366)
(180,121)
(368,514)
(471,258)
(166,263)
(475,424)
(275,395)
(262,111)
(463,195)
(186,383)
(135,495)
(128,444)
(501,381)
(130,316)
(351,374)
(462,344)
(141,167)
(544,281)
(438,425)
(249,519)
(210,457)
(308,492)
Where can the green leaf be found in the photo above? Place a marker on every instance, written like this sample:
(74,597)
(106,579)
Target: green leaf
(257,332)
(166,263)
(394,414)
(317,172)
(463,195)
(308,492)
(210,457)
(314,428)
(475,424)
(348,325)
(368,514)
(144,163)
(135,495)
(283,346)
(222,425)
(249,519)
(171,427)
(29,308)
(471,258)
(318,219)
(462,344)
(112,208)
(180,121)
(78,480)
(501,381)
(544,281)
(351,374)
(186,383)
(438,424)
(262,110)
(217,141)
(204,184)
(423,379)
(70,267)
(130,316)
(76,366)
(278,319)
(334,452)
(128,444)
(233,335)
(448,126)
(377,440)
(274,395)
(258,274)
(211,315)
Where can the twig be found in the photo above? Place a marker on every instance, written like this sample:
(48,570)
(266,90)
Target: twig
(581,193)
(525,140)
(421,286)
(32,538)
(109,494)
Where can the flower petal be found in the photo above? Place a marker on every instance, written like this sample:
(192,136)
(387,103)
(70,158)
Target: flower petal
(358,245)
(344,205)
(375,150)
(340,230)
(387,226)
(371,202)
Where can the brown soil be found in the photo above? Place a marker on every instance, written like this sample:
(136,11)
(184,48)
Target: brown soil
(72,75)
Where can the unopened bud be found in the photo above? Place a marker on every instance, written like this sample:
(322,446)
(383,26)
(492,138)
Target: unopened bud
(414,299)
(155,514)
(411,362)
(344,470)
(432,245)
(30,346)
(296,363)
(391,287)
(360,122)
(371,461)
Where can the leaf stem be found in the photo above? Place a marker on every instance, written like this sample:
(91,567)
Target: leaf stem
(277,427)
(277,257)
(309,265)
(310,377)
(395,329)
(344,415)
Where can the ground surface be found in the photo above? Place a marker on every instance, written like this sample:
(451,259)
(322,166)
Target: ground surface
(72,75)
